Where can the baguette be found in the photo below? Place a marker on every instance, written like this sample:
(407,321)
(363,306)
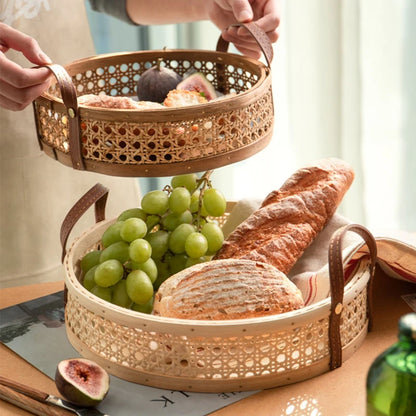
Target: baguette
(289,219)
(226,289)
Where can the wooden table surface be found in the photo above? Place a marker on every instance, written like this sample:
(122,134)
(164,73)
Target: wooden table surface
(340,392)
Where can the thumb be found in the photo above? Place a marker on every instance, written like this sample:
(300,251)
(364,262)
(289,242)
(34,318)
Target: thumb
(242,11)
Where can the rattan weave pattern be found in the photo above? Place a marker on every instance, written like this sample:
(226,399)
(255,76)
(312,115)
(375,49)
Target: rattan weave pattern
(207,356)
(219,357)
(157,142)
(229,129)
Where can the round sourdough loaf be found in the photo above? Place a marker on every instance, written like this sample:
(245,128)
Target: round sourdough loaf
(227,289)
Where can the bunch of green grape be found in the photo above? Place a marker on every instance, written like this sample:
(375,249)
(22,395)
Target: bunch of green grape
(173,229)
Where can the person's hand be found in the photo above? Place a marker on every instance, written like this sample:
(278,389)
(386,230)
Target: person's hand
(265,13)
(20,86)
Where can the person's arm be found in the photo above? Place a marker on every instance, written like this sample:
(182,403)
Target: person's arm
(20,86)
(223,13)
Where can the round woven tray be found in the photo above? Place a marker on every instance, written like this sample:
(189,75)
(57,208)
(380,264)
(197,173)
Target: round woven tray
(216,356)
(163,142)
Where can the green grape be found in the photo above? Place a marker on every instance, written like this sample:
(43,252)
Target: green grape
(200,220)
(108,273)
(170,221)
(146,308)
(196,245)
(132,229)
(140,250)
(178,236)
(195,208)
(132,213)
(190,261)
(214,202)
(195,201)
(88,281)
(139,287)
(149,267)
(152,221)
(111,234)
(105,293)
(214,236)
(179,200)
(155,202)
(177,263)
(91,259)
(118,251)
(186,217)
(159,243)
(163,272)
(187,180)
(204,211)
(120,296)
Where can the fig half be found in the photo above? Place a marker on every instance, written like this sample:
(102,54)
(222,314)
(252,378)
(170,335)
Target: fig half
(82,382)
(199,83)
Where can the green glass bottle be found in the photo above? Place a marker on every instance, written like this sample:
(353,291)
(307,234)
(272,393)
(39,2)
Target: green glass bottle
(391,379)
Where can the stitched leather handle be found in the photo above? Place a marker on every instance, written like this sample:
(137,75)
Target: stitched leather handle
(69,97)
(258,34)
(96,195)
(337,282)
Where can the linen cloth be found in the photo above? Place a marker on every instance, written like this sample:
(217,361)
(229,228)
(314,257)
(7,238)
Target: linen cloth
(396,254)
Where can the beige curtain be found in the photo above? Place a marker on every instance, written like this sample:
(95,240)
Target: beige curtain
(344,79)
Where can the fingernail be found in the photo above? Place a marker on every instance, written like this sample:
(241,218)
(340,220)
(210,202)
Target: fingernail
(245,16)
(44,58)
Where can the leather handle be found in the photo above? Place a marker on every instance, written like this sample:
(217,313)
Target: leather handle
(69,97)
(258,34)
(337,283)
(96,195)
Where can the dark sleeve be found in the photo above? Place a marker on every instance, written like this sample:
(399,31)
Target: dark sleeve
(115,8)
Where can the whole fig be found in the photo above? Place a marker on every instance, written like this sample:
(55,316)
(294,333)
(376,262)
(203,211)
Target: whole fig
(82,382)
(155,83)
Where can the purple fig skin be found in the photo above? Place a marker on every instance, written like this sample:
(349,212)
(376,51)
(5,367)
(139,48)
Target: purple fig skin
(156,82)
(82,382)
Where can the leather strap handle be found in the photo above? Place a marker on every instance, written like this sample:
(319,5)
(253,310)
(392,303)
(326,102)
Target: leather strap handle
(258,34)
(337,282)
(69,97)
(96,195)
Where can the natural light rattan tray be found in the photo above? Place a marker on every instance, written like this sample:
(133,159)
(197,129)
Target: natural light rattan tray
(218,356)
(161,142)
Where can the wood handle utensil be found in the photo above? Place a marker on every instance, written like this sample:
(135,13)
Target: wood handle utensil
(29,404)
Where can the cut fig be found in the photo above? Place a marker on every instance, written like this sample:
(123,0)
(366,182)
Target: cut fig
(155,83)
(82,382)
(199,83)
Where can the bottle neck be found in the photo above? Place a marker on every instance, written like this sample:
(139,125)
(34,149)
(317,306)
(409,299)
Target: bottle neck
(407,340)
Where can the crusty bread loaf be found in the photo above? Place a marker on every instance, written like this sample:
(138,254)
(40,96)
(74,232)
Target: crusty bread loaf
(226,289)
(289,219)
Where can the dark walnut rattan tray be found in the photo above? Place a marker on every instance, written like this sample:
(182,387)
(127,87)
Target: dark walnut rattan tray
(166,141)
